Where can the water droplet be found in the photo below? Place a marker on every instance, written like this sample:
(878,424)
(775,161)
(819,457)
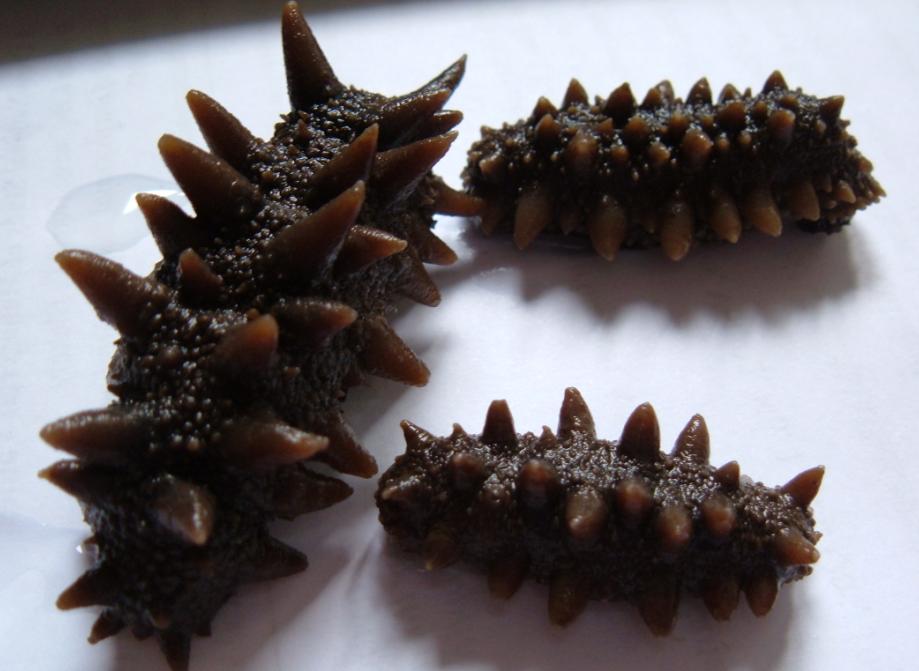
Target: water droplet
(103,217)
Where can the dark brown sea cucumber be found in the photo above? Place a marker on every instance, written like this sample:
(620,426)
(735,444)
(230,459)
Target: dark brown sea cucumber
(670,172)
(599,519)
(236,353)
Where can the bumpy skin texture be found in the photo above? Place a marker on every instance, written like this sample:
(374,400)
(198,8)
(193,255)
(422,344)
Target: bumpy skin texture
(670,172)
(236,353)
(599,519)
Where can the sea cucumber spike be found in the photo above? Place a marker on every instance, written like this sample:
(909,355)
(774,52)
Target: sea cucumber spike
(728,93)
(620,104)
(314,321)
(721,596)
(781,126)
(120,297)
(792,548)
(760,210)
(467,470)
(538,482)
(676,229)
(548,133)
(351,165)
(312,243)
(761,590)
(728,476)
(543,107)
(458,432)
(701,92)
(569,217)
(693,441)
(641,435)
(397,171)
(568,595)
(674,528)
(695,149)
(299,490)
(450,78)
(804,486)
(417,283)
(385,354)
(775,82)
(310,78)
(585,514)
(440,549)
(634,501)
(267,444)
(575,94)
(607,225)
(399,117)
(677,125)
(109,435)
(172,229)
(85,481)
(97,587)
(223,132)
(344,453)
(802,201)
(506,574)
(451,201)
(276,560)
(216,190)
(581,152)
(198,284)
(719,515)
(732,116)
(363,246)
(659,603)
(636,131)
(107,624)
(499,425)
(534,213)
(658,95)
(843,192)
(416,438)
(437,124)
(658,154)
(248,348)
(176,648)
(724,217)
(185,509)
(574,417)
(831,107)
(432,249)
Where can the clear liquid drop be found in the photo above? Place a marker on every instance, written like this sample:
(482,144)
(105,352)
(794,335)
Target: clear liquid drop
(103,217)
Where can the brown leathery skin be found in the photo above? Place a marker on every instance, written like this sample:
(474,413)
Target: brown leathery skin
(236,353)
(670,172)
(599,519)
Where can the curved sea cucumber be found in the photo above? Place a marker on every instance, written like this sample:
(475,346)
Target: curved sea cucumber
(236,353)
(670,172)
(600,519)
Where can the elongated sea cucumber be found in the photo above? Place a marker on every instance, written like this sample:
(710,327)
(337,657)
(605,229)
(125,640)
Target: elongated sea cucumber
(236,353)
(670,172)
(599,519)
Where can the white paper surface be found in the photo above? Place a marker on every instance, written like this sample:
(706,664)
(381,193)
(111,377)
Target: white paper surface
(798,351)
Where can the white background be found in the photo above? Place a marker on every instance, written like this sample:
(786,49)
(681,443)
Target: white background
(798,351)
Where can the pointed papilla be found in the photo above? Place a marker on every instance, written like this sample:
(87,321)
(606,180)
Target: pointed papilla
(385,354)
(217,191)
(575,94)
(186,509)
(310,78)
(761,590)
(585,514)
(574,416)
(267,444)
(313,321)
(701,92)
(176,647)
(467,470)
(399,117)
(306,247)
(107,624)
(499,425)
(633,501)
(344,453)
(222,131)
(110,435)
(197,282)
(674,528)
(533,214)
(349,166)
(607,225)
(568,595)
(119,297)
(621,104)
(658,605)
(538,483)
(433,250)
(457,203)
(248,348)
(416,438)
(396,171)
(97,587)
(728,476)
(90,483)
(172,229)
(641,435)
(718,515)
(364,245)
(440,548)
(276,560)
(791,548)
(693,441)
(417,283)
(804,486)
(775,82)
(505,575)
(298,490)
(721,595)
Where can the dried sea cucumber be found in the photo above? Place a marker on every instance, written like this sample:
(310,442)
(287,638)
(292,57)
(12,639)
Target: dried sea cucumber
(236,353)
(670,172)
(600,519)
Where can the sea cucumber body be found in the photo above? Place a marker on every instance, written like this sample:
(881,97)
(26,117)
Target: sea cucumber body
(670,172)
(236,353)
(594,518)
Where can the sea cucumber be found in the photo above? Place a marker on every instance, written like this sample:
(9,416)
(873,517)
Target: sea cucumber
(598,519)
(670,172)
(236,353)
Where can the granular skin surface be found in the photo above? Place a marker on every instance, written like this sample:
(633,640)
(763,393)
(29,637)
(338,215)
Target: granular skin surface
(236,353)
(670,172)
(598,519)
